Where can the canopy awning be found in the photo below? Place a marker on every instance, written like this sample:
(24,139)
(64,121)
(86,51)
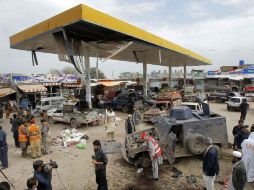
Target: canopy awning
(6,92)
(109,83)
(33,88)
(107,37)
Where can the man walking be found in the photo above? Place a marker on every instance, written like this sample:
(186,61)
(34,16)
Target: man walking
(23,140)
(45,136)
(155,153)
(238,178)
(244,108)
(136,117)
(100,162)
(248,157)
(3,149)
(110,122)
(15,122)
(241,136)
(210,164)
(35,139)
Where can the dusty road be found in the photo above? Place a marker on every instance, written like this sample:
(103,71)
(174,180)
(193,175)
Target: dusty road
(77,173)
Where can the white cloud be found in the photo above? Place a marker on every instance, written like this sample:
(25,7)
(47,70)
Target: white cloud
(196,9)
(228,2)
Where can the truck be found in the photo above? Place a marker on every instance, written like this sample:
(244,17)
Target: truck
(182,134)
(70,114)
(222,96)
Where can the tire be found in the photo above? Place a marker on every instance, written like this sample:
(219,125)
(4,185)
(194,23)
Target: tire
(74,123)
(219,150)
(125,109)
(196,144)
(228,108)
(51,120)
(143,160)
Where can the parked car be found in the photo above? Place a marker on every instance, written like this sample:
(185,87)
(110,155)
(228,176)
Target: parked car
(69,114)
(194,106)
(183,134)
(234,103)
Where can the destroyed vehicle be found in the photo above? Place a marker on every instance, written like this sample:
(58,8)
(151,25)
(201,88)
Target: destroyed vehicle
(222,96)
(70,114)
(122,101)
(159,108)
(182,134)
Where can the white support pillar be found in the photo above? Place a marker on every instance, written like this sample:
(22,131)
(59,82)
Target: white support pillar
(145,78)
(169,75)
(87,76)
(97,65)
(184,74)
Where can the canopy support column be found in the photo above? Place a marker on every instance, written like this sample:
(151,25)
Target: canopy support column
(97,65)
(145,78)
(184,74)
(87,76)
(169,75)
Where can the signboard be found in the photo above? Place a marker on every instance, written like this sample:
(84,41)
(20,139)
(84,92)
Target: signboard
(248,71)
(214,72)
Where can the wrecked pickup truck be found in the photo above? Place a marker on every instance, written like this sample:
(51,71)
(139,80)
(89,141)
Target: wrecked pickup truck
(182,134)
(69,113)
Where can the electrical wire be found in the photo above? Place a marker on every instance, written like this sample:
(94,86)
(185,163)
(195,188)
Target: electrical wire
(60,180)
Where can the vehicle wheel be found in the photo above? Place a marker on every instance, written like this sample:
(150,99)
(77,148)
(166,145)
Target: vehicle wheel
(196,144)
(219,150)
(125,109)
(74,123)
(143,161)
(228,108)
(51,120)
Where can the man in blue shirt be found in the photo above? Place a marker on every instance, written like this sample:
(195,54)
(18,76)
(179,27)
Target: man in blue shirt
(3,149)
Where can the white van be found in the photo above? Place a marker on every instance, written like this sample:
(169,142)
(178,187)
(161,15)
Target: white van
(49,103)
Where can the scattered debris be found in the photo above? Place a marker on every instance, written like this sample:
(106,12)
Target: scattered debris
(191,179)
(176,173)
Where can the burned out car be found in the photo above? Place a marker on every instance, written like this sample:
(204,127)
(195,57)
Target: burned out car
(182,134)
(159,108)
(70,114)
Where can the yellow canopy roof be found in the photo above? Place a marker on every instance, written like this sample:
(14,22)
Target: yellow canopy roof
(107,34)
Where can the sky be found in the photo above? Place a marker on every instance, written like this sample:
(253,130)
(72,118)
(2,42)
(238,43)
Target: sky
(221,30)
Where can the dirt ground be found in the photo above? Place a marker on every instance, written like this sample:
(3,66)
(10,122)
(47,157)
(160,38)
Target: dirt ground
(77,173)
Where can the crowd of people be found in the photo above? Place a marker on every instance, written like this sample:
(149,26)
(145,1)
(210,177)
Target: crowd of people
(27,133)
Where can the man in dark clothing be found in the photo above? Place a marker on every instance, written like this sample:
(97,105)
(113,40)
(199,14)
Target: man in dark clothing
(129,125)
(238,178)
(244,108)
(3,149)
(237,128)
(241,136)
(43,177)
(100,161)
(210,165)
(16,122)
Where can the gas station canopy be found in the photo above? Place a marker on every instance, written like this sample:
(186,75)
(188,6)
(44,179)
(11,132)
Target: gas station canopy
(106,37)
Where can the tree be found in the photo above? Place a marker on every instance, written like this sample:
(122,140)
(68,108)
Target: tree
(72,71)
(55,71)
(69,71)
(101,75)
